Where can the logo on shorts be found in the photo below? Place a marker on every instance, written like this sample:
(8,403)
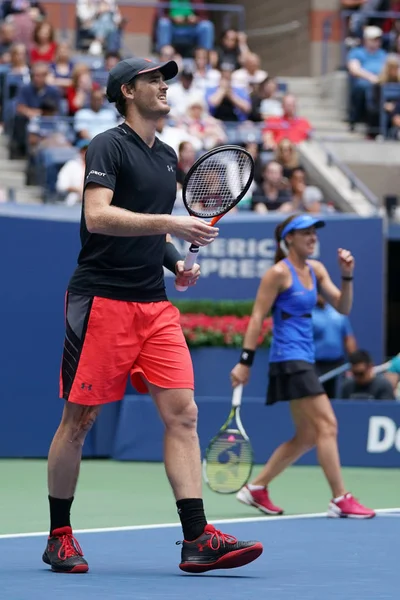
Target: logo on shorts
(96,173)
(170,169)
(86,386)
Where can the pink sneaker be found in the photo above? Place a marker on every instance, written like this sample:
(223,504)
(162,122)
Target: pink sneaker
(259,499)
(349,508)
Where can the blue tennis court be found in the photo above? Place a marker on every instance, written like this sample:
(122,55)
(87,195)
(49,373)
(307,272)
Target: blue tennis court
(307,557)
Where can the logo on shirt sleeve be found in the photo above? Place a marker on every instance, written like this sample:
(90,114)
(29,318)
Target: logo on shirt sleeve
(96,173)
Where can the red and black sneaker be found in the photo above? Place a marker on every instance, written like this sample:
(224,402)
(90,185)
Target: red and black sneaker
(63,553)
(217,550)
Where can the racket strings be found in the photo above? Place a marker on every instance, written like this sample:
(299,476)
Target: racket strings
(229,463)
(216,184)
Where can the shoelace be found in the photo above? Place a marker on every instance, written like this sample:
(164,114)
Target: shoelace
(221,537)
(69,547)
(225,538)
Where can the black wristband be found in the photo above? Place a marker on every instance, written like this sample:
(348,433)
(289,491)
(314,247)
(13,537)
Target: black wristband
(347,278)
(171,257)
(247,357)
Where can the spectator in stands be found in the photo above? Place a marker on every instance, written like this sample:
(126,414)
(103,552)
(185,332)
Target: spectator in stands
(78,94)
(364,65)
(184,21)
(17,7)
(264,101)
(204,75)
(62,67)
(31,96)
(390,74)
(250,75)
(232,50)
(18,62)
(71,176)
(23,15)
(48,130)
(201,125)
(167,53)
(273,192)
(334,341)
(226,102)
(364,384)
(44,47)
(288,126)
(89,122)
(303,199)
(253,148)
(45,131)
(313,199)
(174,136)
(186,159)
(7,35)
(102,21)
(360,17)
(287,155)
(181,93)
(111,58)
(395,131)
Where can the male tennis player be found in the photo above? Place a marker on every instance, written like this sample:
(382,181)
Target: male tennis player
(119,322)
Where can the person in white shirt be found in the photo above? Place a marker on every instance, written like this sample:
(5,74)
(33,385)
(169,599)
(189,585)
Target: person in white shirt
(173,136)
(89,122)
(204,76)
(181,93)
(250,75)
(71,176)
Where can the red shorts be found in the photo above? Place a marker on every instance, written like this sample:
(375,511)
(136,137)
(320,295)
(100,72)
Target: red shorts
(106,341)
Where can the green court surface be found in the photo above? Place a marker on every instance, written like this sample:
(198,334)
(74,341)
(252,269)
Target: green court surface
(113,494)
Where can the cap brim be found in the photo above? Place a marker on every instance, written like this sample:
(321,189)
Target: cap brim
(169,70)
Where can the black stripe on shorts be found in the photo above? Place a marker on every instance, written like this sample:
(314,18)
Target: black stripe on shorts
(76,321)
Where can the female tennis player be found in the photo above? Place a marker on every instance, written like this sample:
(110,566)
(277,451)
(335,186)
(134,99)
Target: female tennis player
(290,289)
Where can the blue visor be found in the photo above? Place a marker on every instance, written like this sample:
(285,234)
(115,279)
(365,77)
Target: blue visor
(301,222)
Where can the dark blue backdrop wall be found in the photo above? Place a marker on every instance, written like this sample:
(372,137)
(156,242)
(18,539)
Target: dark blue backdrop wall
(37,259)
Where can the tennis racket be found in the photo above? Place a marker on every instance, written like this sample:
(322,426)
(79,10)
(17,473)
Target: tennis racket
(228,461)
(216,182)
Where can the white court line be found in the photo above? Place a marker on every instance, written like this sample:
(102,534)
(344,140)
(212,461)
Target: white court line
(264,519)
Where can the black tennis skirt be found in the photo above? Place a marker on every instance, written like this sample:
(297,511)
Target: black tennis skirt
(292,380)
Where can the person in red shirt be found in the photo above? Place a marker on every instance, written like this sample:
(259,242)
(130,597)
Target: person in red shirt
(44,47)
(288,126)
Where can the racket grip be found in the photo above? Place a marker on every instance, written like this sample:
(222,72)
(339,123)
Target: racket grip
(237,395)
(188,264)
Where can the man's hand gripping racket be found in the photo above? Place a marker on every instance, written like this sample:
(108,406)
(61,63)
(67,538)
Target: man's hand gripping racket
(216,183)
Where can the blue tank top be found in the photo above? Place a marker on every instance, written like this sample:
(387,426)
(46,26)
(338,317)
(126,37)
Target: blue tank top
(292,321)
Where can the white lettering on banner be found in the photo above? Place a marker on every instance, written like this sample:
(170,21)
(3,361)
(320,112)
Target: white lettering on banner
(383,434)
(231,258)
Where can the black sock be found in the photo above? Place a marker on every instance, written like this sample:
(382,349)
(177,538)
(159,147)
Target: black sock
(193,519)
(60,512)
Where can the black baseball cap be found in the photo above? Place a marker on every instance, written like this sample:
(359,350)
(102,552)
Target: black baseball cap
(129,68)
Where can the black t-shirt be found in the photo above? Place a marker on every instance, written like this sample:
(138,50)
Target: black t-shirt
(143,180)
(378,388)
(259,197)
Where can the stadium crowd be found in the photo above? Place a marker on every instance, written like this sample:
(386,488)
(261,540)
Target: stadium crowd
(53,102)
(373,64)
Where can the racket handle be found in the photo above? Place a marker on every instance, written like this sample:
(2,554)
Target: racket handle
(237,396)
(188,264)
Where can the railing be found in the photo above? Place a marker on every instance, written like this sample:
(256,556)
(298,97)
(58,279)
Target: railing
(354,182)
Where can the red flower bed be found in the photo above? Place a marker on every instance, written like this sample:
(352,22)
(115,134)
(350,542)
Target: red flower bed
(227,331)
